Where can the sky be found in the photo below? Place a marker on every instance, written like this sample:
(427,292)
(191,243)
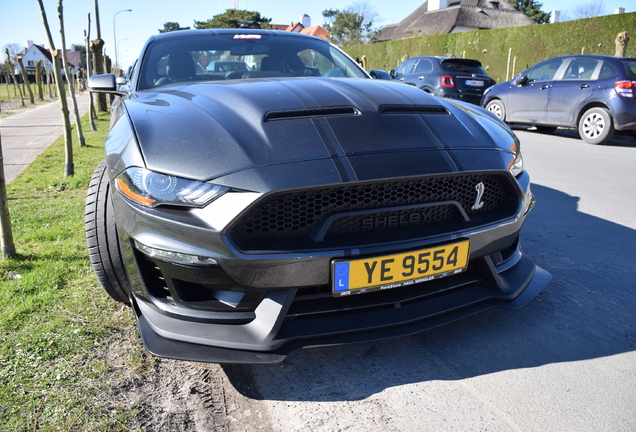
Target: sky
(21,21)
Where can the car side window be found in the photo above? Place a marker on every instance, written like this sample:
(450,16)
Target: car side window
(424,66)
(581,69)
(545,71)
(405,68)
(607,71)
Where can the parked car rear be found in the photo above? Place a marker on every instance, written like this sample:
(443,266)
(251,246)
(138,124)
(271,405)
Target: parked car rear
(590,92)
(447,77)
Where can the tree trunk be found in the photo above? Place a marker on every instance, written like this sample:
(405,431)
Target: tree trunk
(621,44)
(69,168)
(26,81)
(38,78)
(67,71)
(98,67)
(6,234)
(15,82)
(91,108)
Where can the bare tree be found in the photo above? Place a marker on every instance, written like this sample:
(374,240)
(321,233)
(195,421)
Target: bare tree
(67,71)
(69,168)
(15,81)
(6,234)
(91,107)
(98,58)
(590,9)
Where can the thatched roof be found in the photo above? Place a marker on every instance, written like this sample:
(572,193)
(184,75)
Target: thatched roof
(477,14)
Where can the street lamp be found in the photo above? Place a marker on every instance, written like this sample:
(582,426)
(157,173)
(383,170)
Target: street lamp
(119,41)
(115,37)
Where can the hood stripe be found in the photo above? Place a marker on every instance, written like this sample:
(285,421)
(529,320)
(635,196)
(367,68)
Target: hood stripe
(337,153)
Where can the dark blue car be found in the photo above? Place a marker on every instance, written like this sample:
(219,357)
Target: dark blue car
(593,93)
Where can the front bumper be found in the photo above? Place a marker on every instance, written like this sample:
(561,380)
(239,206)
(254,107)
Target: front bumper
(177,339)
(286,302)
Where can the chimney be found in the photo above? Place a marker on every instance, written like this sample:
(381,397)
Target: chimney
(305,20)
(30,43)
(434,5)
(555,17)
(619,10)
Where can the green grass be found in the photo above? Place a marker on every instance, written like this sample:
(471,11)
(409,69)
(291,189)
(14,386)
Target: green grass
(65,347)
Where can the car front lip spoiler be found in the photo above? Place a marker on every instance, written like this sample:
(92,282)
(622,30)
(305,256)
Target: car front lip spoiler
(181,350)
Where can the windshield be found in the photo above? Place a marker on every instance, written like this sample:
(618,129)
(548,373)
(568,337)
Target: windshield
(241,56)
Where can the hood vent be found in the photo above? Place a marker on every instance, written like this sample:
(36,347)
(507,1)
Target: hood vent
(413,109)
(313,112)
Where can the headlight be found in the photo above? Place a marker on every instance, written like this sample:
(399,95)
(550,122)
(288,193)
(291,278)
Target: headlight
(516,165)
(152,189)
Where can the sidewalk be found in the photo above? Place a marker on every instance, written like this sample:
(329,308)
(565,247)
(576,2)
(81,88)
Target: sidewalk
(26,135)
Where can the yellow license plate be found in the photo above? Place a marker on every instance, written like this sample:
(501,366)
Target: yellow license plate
(397,270)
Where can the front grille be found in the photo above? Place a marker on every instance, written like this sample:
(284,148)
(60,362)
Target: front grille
(344,215)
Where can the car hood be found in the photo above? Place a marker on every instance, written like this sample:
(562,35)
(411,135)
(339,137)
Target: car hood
(208,130)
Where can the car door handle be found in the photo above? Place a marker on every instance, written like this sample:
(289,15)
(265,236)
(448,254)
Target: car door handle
(584,86)
(544,87)
(421,78)
(401,79)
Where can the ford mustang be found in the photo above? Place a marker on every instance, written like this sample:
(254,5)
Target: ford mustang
(296,202)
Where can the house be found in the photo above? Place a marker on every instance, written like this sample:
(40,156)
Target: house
(35,52)
(304,26)
(444,16)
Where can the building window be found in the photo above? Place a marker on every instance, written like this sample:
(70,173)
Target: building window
(30,63)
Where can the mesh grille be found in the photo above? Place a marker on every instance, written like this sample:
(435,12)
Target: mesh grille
(304,213)
(412,109)
(321,112)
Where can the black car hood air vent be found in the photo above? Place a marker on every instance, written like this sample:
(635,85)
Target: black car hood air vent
(312,112)
(413,109)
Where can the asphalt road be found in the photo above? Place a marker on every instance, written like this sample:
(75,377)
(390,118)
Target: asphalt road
(565,362)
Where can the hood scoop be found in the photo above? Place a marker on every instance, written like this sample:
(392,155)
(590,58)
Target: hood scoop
(312,112)
(413,109)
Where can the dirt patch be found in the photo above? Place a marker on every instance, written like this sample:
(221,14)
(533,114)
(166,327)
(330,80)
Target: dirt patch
(178,396)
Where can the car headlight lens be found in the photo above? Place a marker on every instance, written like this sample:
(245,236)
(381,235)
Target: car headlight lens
(516,165)
(152,189)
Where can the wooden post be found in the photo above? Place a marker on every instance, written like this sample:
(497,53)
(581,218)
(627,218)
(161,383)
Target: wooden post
(15,81)
(26,80)
(38,78)
(508,65)
(6,235)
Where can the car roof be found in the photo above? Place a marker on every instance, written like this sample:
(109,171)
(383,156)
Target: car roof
(442,58)
(591,56)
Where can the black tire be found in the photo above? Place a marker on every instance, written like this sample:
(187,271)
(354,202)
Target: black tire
(497,108)
(596,126)
(101,237)
(545,129)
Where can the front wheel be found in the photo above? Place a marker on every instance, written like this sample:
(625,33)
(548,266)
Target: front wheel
(497,108)
(596,126)
(101,237)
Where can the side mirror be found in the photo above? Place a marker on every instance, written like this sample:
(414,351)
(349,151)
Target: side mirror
(105,83)
(121,80)
(379,74)
(392,73)
(520,80)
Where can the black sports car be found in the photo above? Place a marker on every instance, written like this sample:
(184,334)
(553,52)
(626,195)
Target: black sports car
(247,214)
